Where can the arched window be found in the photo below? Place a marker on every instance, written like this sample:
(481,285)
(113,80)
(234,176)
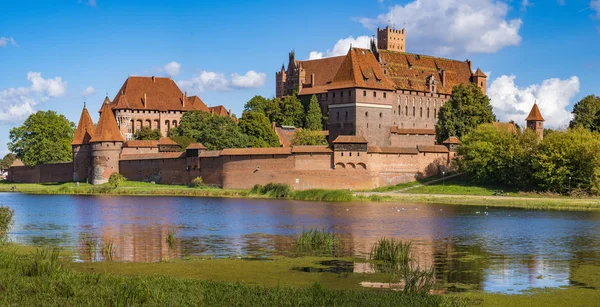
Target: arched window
(427,112)
(380,114)
(366,114)
(434,113)
(406,110)
(414,111)
(421,112)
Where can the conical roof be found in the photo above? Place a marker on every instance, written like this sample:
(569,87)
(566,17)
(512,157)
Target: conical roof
(535,114)
(107,129)
(479,73)
(85,129)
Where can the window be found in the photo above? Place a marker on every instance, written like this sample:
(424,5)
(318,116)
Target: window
(421,112)
(333,94)
(374,94)
(379,126)
(364,93)
(434,113)
(427,112)
(380,115)
(399,110)
(406,110)
(349,93)
(367,125)
(384,95)
(414,111)
(338,115)
(342,94)
(346,115)
(366,114)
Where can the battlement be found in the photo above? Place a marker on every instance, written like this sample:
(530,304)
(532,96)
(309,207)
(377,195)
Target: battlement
(391,30)
(391,39)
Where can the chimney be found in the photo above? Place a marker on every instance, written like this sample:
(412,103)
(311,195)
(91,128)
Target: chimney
(145,101)
(183,99)
(153,79)
(443,77)
(312,80)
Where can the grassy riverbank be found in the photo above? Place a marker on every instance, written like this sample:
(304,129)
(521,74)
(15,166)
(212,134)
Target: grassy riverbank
(454,191)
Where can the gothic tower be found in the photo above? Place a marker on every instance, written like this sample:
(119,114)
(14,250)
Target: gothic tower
(107,143)
(391,39)
(480,79)
(535,121)
(81,147)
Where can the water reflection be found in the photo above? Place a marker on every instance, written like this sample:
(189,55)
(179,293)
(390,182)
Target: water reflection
(505,250)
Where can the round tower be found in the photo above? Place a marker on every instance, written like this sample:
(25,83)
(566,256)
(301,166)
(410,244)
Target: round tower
(107,143)
(81,147)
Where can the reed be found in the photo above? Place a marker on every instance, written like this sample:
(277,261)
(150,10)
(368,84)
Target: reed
(45,262)
(107,249)
(324,195)
(90,244)
(318,240)
(6,220)
(171,238)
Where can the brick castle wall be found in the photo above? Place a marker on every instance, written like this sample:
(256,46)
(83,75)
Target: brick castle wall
(55,172)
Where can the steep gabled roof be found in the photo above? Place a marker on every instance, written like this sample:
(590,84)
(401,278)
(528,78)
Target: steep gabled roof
(324,70)
(535,114)
(85,129)
(154,93)
(452,140)
(218,110)
(479,73)
(361,69)
(410,71)
(107,129)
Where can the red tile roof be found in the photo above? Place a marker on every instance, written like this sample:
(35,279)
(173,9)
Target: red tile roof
(479,73)
(361,69)
(412,131)
(452,140)
(85,129)
(510,127)
(433,148)
(210,153)
(196,146)
(324,70)
(154,156)
(410,71)
(256,151)
(286,135)
(166,141)
(218,110)
(107,129)
(346,139)
(535,114)
(154,93)
(311,149)
(141,143)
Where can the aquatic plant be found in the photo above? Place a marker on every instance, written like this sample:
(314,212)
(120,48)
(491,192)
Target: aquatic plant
(107,249)
(90,244)
(277,190)
(171,238)
(45,262)
(318,240)
(398,260)
(6,220)
(324,195)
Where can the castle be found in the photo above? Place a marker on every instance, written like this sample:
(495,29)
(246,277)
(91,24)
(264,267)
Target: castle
(383,94)
(382,104)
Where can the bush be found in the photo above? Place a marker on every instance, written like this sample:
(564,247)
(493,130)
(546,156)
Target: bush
(116,179)
(6,219)
(324,195)
(278,190)
(197,182)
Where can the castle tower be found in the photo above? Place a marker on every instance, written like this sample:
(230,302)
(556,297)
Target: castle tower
(480,79)
(391,39)
(535,121)
(81,147)
(280,80)
(107,142)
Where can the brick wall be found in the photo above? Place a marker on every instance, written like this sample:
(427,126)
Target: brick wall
(55,172)
(404,140)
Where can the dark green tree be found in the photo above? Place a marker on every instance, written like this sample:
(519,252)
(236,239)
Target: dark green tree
(314,116)
(44,137)
(256,125)
(309,137)
(257,103)
(213,131)
(467,108)
(7,161)
(147,133)
(291,112)
(586,113)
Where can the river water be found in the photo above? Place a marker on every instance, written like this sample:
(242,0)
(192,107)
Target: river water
(491,249)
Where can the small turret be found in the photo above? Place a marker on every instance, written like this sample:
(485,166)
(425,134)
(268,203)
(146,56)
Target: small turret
(107,143)
(480,79)
(535,121)
(81,147)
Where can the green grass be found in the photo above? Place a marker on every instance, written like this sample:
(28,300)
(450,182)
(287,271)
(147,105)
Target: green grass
(184,283)
(324,195)
(319,241)
(460,186)
(405,185)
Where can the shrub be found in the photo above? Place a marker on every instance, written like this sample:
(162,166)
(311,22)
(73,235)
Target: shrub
(278,190)
(324,195)
(6,219)
(197,182)
(116,179)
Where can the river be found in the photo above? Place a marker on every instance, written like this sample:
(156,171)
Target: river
(492,249)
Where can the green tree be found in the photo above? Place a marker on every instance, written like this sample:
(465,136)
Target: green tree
(257,103)
(314,116)
(44,137)
(586,113)
(256,125)
(116,179)
(569,161)
(147,133)
(213,131)
(7,161)
(498,156)
(309,137)
(291,112)
(467,108)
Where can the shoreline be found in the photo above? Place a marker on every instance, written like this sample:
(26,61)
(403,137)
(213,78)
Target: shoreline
(147,189)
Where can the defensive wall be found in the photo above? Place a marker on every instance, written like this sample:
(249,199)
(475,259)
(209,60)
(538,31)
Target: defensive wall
(41,173)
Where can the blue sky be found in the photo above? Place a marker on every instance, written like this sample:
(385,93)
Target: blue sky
(53,53)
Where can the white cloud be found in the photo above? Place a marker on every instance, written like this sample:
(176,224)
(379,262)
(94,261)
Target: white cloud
(6,41)
(173,68)
(553,96)
(525,4)
(18,103)
(218,82)
(88,91)
(92,3)
(341,47)
(452,27)
(251,79)
(595,5)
